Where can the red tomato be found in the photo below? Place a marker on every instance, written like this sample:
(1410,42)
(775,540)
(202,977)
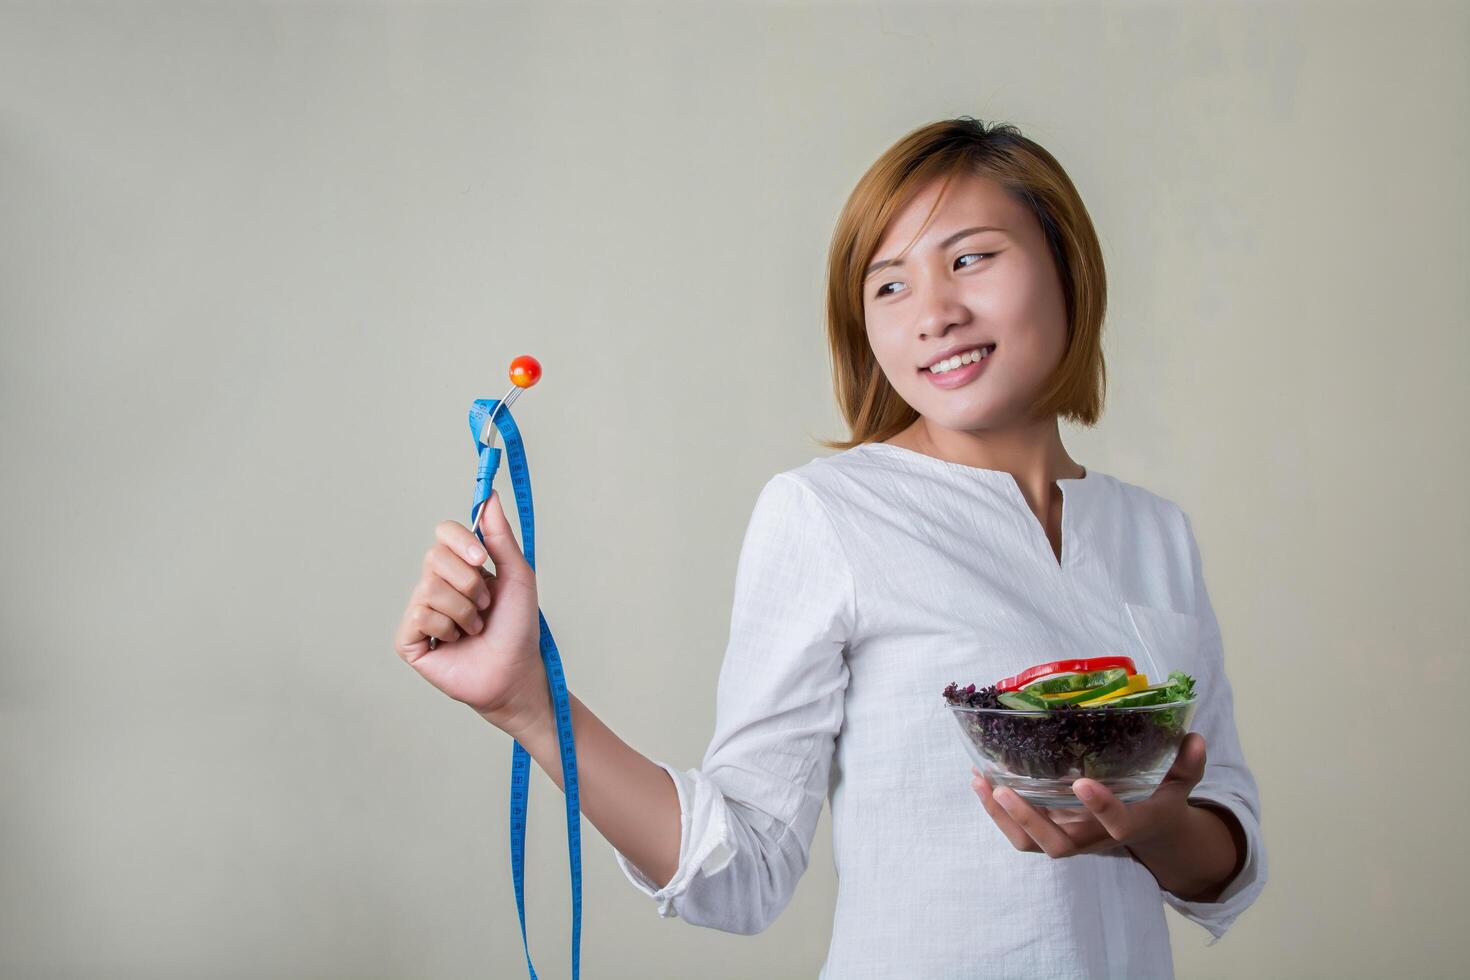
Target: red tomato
(1064,667)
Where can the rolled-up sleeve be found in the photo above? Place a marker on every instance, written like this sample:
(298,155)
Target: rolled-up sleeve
(1227,781)
(749,812)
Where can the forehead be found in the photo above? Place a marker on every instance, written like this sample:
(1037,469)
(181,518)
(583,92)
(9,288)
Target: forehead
(968,200)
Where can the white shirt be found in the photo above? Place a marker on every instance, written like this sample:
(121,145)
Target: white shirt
(867,581)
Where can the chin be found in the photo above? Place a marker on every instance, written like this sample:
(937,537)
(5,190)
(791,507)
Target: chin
(979,419)
(974,416)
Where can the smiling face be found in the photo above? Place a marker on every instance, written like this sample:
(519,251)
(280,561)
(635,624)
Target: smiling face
(996,287)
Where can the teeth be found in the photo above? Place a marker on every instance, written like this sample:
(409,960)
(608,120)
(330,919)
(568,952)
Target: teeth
(959,360)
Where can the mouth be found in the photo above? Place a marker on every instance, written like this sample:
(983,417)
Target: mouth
(959,368)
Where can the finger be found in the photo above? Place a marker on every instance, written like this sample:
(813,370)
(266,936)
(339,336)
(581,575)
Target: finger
(443,598)
(510,563)
(1090,837)
(1112,813)
(412,638)
(460,540)
(431,622)
(1038,826)
(441,562)
(408,641)
(1019,839)
(1064,816)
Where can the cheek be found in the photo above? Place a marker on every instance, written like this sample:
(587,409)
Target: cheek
(1031,303)
(884,348)
(898,374)
(895,367)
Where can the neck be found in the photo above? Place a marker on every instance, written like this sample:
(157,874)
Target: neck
(1031,452)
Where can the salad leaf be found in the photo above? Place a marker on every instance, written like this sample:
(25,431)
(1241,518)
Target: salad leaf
(1181,686)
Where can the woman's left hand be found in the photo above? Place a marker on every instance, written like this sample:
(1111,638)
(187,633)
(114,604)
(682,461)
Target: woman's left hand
(1107,823)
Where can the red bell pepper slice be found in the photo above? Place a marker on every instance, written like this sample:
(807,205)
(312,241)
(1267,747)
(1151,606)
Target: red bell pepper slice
(1064,667)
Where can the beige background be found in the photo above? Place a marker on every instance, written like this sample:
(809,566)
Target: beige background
(256,260)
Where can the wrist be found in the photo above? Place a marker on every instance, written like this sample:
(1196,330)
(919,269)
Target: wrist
(1191,856)
(526,723)
(1168,838)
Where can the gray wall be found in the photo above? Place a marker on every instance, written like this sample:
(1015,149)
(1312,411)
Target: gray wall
(256,260)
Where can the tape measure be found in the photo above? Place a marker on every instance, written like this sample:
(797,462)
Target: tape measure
(520,766)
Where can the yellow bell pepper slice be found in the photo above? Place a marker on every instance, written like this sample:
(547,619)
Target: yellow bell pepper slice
(1136,682)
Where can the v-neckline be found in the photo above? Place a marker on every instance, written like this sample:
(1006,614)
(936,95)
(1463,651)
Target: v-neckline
(1059,554)
(1068,542)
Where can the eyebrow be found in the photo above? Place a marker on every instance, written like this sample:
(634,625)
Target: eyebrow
(944,244)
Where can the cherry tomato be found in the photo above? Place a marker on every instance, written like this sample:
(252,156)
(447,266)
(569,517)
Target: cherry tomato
(525,371)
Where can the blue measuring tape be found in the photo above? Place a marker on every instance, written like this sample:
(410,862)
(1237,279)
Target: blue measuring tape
(520,766)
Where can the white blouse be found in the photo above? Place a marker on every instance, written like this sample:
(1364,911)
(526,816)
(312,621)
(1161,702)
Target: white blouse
(867,581)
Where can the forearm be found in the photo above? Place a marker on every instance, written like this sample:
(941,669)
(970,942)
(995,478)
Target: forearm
(1200,858)
(629,798)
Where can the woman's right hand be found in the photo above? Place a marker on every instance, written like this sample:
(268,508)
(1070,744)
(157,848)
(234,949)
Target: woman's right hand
(491,663)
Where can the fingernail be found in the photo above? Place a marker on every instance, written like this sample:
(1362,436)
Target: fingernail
(1085,791)
(475,624)
(478,556)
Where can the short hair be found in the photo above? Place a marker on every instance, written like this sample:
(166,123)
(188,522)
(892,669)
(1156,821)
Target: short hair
(871,407)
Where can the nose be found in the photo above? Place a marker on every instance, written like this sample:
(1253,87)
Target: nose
(940,310)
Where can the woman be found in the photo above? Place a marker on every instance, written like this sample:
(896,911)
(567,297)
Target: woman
(952,537)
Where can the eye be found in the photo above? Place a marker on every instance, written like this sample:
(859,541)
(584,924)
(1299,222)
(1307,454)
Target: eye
(981,255)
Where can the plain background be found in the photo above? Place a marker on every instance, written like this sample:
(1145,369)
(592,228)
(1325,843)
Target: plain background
(257,259)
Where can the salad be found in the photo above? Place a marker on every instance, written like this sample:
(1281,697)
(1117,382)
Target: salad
(1055,720)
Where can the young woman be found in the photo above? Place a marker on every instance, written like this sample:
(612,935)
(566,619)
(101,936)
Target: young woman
(952,538)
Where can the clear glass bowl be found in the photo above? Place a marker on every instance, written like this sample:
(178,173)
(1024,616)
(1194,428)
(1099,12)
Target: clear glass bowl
(1039,753)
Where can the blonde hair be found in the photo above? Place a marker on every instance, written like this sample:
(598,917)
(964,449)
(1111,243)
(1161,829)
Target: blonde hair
(872,408)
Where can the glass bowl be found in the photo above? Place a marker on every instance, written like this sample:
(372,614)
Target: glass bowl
(1039,753)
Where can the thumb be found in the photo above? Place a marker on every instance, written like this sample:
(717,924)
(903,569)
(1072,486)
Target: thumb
(510,563)
(1189,765)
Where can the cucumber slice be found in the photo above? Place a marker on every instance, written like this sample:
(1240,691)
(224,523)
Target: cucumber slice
(1097,684)
(1137,699)
(1022,701)
(1056,684)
